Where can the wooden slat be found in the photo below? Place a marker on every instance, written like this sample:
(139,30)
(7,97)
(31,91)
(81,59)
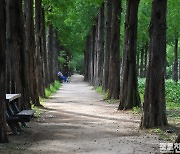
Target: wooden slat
(12,97)
(26,112)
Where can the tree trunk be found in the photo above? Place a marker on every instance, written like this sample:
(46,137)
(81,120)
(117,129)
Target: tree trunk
(129,96)
(30,51)
(95,56)
(142,63)
(145,59)
(56,54)
(154,107)
(15,48)
(137,63)
(107,44)
(92,55)
(100,46)
(175,68)
(3,129)
(114,65)
(44,51)
(50,52)
(87,59)
(178,139)
(39,47)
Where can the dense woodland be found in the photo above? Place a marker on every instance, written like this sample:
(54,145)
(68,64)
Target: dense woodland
(112,42)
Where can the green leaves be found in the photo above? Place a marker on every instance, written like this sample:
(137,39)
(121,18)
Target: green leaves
(73,19)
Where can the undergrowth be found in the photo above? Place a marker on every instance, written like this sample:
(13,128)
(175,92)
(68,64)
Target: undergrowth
(52,89)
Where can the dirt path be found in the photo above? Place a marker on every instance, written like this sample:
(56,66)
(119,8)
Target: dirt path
(79,121)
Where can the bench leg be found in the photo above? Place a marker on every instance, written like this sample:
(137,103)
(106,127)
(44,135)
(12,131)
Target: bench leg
(13,128)
(23,124)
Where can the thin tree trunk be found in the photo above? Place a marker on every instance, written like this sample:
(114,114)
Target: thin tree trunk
(175,68)
(114,64)
(100,46)
(3,129)
(50,52)
(95,56)
(142,63)
(178,139)
(154,107)
(44,51)
(145,59)
(107,44)
(137,63)
(129,96)
(87,59)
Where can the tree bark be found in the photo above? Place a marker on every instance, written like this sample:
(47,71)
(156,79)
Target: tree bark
(92,55)
(30,51)
(114,65)
(175,68)
(129,96)
(44,51)
(15,49)
(3,129)
(107,44)
(56,51)
(154,107)
(100,46)
(95,56)
(50,52)
(178,139)
(39,47)
(87,59)
(142,63)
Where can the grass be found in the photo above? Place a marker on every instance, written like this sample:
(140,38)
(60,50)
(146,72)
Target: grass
(172,94)
(53,88)
(99,90)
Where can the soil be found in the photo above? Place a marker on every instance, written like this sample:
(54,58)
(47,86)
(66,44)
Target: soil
(77,120)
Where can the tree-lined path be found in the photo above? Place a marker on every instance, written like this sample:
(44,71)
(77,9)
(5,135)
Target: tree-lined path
(78,120)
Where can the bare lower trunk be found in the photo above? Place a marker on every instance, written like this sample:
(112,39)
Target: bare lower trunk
(3,129)
(129,96)
(154,108)
(175,68)
(107,44)
(114,65)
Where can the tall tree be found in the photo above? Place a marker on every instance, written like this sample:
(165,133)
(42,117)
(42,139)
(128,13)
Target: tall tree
(100,46)
(39,47)
(50,52)
(108,20)
(15,48)
(30,51)
(3,130)
(114,64)
(154,108)
(129,96)
(175,67)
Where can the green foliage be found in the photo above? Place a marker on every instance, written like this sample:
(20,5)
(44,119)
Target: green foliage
(77,63)
(172,93)
(136,110)
(99,90)
(53,88)
(57,84)
(73,19)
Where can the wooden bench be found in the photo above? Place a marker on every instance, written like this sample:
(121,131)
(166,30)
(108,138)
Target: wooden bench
(14,115)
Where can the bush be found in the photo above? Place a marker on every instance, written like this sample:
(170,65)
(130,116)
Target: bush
(172,93)
(53,88)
